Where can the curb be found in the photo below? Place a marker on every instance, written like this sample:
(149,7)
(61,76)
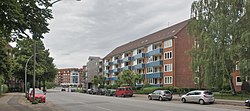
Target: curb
(217,101)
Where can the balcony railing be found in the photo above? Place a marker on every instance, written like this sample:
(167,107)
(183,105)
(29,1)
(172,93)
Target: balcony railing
(126,59)
(157,51)
(116,70)
(154,63)
(139,56)
(117,61)
(107,71)
(138,66)
(126,68)
(154,75)
(107,63)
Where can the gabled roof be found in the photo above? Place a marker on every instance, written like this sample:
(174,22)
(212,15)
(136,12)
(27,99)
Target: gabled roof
(163,34)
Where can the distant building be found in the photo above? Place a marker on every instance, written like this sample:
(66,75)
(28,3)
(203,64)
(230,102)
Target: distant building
(69,76)
(92,70)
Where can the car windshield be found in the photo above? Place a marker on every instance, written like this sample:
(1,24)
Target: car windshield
(167,92)
(38,92)
(208,93)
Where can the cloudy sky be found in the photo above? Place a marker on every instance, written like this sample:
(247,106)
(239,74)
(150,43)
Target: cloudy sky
(95,27)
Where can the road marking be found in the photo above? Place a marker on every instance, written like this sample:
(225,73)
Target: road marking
(103,108)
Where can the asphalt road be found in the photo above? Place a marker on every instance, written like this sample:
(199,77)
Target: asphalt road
(69,101)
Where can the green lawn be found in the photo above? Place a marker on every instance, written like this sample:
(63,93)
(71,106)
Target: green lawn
(231,97)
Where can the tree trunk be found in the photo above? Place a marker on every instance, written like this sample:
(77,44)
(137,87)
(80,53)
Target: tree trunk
(232,86)
(44,85)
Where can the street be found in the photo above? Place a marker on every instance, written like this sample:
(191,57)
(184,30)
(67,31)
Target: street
(84,102)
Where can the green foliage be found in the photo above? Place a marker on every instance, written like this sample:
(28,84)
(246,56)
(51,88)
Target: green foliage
(99,81)
(127,78)
(19,17)
(45,68)
(221,39)
(50,85)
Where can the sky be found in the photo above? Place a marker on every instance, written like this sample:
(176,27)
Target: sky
(96,27)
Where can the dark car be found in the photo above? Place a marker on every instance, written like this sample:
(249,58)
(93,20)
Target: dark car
(92,91)
(110,92)
(247,103)
(101,91)
(161,95)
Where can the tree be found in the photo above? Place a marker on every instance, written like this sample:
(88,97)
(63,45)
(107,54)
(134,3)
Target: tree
(218,30)
(45,69)
(99,81)
(6,62)
(17,17)
(129,78)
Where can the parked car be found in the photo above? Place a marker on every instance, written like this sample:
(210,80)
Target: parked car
(161,95)
(199,96)
(110,92)
(124,91)
(29,92)
(92,91)
(40,96)
(63,89)
(247,103)
(101,91)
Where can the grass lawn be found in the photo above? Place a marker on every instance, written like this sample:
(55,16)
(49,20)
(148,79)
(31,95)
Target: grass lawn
(232,97)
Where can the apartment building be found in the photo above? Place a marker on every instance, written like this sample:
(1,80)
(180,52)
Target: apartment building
(162,58)
(94,67)
(69,76)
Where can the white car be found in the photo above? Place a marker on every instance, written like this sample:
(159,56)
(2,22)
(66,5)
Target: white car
(199,96)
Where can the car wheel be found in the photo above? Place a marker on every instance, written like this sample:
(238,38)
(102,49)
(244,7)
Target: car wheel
(160,98)
(149,97)
(211,102)
(183,100)
(123,95)
(169,99)
(201,101)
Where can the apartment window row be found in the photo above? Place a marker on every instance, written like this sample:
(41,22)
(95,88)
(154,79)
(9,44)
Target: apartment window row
(168,68)
(168,43)
(154,81)
(168,55)
(153,69)
(168,80)
(239,80)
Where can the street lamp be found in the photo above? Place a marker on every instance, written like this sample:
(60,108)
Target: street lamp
(25,78)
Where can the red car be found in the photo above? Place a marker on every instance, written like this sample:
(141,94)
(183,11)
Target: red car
(124,91)
(39,95)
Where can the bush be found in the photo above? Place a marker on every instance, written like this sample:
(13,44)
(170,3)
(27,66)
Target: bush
(5,88)
(50,85)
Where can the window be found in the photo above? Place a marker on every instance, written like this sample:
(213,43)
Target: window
(236,67)
(168,43)
(168,80)
(238,80)
(168,55)
(196,80)
(150,48)
(150,70)
(168,68)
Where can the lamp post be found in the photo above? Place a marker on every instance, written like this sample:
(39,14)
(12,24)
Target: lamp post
(25,78)
(34,71)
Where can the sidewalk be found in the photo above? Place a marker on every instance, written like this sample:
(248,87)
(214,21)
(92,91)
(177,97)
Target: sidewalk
(217,101)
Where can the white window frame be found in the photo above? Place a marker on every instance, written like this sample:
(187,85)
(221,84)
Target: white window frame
(168,68)
(150,48)
(196,80)
(238,83)
(168,55)
(168,43)
(168,80)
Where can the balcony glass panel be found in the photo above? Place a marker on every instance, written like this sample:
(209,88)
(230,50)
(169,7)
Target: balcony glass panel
(117,61)
(138,66)
(138,56)
(126,68)
(154,63)
(155,52)
(126,59)
(117,70)
(154,75)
